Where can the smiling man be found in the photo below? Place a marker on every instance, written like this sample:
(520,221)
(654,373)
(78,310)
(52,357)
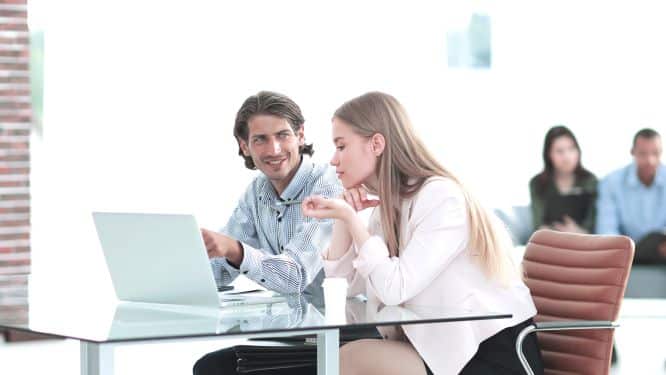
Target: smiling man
(267,238)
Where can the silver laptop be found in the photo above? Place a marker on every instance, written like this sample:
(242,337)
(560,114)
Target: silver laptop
(156,258)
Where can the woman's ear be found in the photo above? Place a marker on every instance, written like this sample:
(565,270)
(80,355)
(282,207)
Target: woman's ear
(378,143)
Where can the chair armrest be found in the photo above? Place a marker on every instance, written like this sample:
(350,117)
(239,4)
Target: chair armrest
(574,325)
(557,326)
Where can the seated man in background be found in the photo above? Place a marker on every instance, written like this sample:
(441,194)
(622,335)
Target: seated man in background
(632,200)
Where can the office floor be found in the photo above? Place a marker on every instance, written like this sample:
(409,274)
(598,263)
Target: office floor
(639,342)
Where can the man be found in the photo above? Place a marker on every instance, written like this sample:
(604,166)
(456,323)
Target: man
(632,200)
(267,238)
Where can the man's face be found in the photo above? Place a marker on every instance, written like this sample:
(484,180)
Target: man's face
(273,146)
(647,153)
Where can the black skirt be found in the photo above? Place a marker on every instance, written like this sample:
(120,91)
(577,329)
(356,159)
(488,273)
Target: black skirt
(497,354)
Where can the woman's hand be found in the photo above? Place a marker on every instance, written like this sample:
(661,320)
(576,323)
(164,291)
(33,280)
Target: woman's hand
(351,201)
(344,212)
(357,197)
(569,225)
(320,207)
(662,249)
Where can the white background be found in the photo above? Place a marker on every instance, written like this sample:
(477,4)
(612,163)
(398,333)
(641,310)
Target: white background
(140,98)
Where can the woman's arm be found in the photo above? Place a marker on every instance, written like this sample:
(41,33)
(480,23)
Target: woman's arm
(590,187)
(439,226)
(341,241)
(439,233)
(536,206)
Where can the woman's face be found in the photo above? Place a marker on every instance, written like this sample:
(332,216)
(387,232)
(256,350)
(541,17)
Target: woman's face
(564,155)
(354,159)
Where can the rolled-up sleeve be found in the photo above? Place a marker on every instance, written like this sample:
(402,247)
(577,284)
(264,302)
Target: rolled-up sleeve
(295,268)
(241,227)
(298,261)
(281,248)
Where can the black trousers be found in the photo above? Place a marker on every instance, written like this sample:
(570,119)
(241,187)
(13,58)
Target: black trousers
(223,362)
(647,249)
(496,356)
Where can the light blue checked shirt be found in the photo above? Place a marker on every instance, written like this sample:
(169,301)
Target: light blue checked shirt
(626,206)
(281,248)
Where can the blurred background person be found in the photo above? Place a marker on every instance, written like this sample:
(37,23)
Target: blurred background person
(632,200)
(563,195)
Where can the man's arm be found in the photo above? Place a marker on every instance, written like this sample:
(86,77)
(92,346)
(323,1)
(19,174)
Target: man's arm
(297,265)
(608,213)
(219,245)
(224,250)
(299,259)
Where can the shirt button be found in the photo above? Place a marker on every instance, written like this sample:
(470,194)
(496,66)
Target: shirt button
(263,280)
(279,219)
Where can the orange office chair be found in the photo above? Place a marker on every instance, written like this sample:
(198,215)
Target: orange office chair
(577,282)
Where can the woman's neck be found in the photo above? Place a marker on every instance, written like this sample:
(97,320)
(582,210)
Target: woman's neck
(564,181)
(372,184)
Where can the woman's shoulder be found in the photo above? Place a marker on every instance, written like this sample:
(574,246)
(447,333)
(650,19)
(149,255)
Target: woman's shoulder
(589,180)
(437,192)
(591,177)
(439,188)
(439,183)
(535,180)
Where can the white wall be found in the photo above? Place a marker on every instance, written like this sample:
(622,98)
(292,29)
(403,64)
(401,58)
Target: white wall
(140,97)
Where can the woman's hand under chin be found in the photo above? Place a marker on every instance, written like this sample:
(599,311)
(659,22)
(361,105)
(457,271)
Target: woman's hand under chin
(357,198)
(344,208)
(320,207)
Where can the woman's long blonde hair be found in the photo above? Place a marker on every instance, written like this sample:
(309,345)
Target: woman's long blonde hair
(404,167)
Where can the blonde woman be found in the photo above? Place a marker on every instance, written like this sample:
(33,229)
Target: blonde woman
(428,242)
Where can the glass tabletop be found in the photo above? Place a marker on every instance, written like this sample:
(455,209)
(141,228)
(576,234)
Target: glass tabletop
(113,321)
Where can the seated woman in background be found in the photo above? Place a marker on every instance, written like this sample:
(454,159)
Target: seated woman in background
(428,242)
(563,195)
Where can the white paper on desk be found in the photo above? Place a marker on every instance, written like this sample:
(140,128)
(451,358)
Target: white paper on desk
(251,298)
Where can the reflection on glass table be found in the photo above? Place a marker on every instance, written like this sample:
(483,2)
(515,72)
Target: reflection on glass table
(131,320)
(101,325)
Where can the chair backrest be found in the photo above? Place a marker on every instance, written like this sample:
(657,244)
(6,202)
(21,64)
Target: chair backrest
(577,277)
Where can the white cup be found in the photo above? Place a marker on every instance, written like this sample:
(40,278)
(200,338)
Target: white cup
(335,299)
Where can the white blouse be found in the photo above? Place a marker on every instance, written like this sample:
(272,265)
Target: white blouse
(435,267)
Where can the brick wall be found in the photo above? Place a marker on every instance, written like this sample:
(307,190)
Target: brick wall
(15,125)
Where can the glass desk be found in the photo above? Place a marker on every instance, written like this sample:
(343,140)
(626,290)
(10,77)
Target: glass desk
(101,325)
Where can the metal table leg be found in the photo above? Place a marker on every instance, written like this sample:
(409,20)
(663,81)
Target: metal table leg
(96,359)
(328,352)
